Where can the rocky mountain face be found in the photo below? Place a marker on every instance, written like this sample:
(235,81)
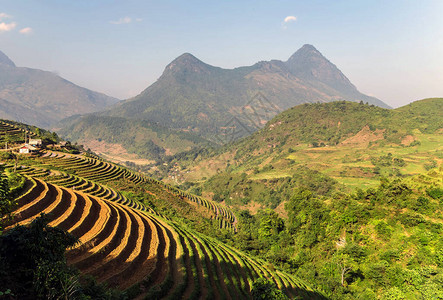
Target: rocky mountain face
(43,98)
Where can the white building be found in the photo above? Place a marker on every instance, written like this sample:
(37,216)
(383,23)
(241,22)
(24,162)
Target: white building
(26,149)
(35,142)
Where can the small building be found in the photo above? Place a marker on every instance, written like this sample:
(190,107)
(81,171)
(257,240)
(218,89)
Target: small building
(60,145)
(26,149)
(35,142)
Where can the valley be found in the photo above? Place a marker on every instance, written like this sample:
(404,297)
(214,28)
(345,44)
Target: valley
(199,104)
(232,159)
(327,199)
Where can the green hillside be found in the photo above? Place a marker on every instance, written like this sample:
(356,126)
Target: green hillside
(344,196)
(142,138)
(107,226)
(379,243)
(13,133)
(43,98)
(354,144)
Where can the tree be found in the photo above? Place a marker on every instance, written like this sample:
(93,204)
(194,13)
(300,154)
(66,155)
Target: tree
(5,197)
(271,224)
(32,261)
(345,264)
(263,289)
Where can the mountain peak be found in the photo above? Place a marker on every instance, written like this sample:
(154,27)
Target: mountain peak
(186,59)
(5,60)
(309,64)
(186,63)
(306,52)
(308,47)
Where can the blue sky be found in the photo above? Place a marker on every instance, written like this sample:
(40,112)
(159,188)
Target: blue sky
(389,49)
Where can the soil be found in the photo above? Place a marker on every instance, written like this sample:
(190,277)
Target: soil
(114,152)
(364,136)
(407,140)
(252,206)
(280,210)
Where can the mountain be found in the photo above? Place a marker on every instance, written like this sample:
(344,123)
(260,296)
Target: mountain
(222,105)
(43,98)
(312,67)
(192,95)
(5,60)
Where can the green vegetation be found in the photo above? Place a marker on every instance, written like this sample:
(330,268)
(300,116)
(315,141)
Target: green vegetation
(345,196)
(13,133)
(120,242)
(33,265)
(143,138)
(363,245)
(354,143)
(263,289)
(238,189)
(11,185)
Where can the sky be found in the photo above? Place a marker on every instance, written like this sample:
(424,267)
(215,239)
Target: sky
(392,50)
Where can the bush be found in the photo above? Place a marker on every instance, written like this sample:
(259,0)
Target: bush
(263,289)
(435,193)
(32,261)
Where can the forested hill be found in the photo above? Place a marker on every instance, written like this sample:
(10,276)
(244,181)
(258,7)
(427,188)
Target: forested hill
(341,123)
(140,137)
(347,140)
(330,124)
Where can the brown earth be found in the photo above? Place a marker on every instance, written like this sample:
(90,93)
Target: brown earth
(280,210)
(252,206)
(113,152)
(364,137)
(407,140)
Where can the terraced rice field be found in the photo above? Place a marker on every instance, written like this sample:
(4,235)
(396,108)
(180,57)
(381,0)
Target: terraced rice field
(11,133)
(149,256)
(96,170)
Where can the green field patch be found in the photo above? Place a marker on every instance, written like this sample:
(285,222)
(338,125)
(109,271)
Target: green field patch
(270,175)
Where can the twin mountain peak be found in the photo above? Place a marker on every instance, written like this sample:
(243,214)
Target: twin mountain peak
(190,95)
(306,64)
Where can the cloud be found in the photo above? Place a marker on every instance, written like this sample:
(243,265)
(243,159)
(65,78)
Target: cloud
(7,26)
(289,19)
(26,30)
(138,19)
(125,20)
(4,16)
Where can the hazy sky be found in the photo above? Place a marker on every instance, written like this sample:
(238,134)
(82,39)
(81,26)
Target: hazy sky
(389,49)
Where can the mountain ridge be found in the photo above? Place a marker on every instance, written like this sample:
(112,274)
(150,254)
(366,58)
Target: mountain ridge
(194,97)
(4,59)
(25,90)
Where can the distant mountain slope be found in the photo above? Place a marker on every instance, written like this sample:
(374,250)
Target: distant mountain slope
(335,123)
(192,95)
(311,66)
(42,98)
(222,105)
(102,133)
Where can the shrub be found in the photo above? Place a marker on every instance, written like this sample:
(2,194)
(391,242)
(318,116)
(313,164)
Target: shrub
(263,289)
(435,193)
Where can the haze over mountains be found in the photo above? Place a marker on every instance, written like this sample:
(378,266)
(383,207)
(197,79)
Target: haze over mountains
(221,104)
(42,98)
